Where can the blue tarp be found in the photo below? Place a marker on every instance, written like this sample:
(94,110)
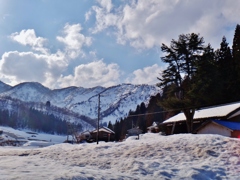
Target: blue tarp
(228,124)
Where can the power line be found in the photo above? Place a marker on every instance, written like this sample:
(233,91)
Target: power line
(171,110)
(147,114)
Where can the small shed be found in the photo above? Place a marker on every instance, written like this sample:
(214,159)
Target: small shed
(153,128)
(84,136)
(105,134)
(134,132)
(225,128)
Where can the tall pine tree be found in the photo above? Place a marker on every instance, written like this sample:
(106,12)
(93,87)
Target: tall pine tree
(227,72)
(182,56)
(205,90)
(236,59)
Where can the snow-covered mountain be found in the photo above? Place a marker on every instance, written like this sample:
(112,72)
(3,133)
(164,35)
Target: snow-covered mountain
(4,87)
(115,101)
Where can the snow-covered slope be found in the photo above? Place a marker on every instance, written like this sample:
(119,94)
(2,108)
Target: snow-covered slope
(28,91)
(115,101)
(4,87)
(29,137)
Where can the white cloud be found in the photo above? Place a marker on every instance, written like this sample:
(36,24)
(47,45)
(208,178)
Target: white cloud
(27,66)
(17,67)
(104,18)
(106,4)
(28,38)
(96,73)
(145,24)
(24,66)
(74,40)
(42,65)
(87,15)
(147,75)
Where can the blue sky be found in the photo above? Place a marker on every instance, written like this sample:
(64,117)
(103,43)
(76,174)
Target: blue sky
(91,43)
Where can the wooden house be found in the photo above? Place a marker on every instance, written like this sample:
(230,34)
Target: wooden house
(224,128)
(104,134)
(177,124)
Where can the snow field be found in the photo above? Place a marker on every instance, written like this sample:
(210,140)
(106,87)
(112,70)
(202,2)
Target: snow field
(183,156)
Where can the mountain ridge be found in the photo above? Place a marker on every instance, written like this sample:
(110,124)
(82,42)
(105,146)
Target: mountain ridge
(115,101)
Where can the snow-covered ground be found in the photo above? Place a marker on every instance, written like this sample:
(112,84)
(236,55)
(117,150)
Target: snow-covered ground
(182,156)
(29,137)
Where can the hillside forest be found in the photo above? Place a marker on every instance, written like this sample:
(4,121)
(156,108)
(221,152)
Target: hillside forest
(38,117)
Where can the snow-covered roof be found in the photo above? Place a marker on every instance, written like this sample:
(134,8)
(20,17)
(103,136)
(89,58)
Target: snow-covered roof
(217,111)
(109,130)
(104,129)
(154,125)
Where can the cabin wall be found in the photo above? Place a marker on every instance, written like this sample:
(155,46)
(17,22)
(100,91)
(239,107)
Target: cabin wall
(103,136)
(180,127)
(212,128)
(235,134)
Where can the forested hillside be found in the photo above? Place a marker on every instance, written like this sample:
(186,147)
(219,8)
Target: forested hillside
(53,120)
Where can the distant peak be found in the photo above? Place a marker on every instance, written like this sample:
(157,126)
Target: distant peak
(4,87)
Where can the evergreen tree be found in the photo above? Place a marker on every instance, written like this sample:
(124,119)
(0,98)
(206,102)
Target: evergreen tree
(123,128)
(48,104)
(143,108)
(110,126)
(154,111)
(227,72)
(206,89)
(182,57)
(236,45)
(141,117)
(236,59)
(117,130)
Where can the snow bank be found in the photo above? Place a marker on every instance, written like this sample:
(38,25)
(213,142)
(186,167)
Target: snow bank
(153,156)
(38,144)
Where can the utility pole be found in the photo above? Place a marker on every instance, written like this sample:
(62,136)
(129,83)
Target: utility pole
(98,117)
